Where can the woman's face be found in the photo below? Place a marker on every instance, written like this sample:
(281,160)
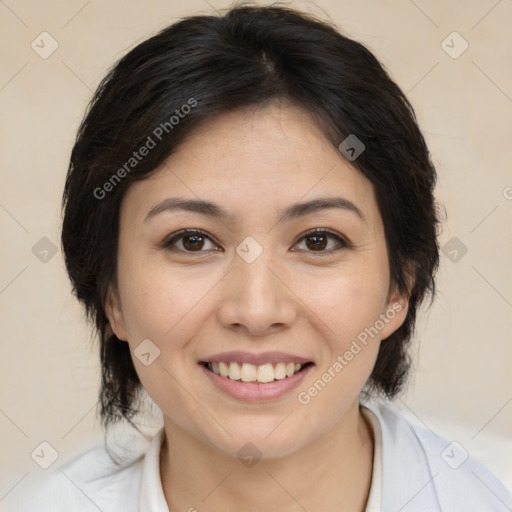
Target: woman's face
(254,291)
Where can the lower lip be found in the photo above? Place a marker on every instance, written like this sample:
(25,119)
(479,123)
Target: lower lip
(255,391)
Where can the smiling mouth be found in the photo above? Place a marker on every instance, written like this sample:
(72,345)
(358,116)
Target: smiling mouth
(247,372)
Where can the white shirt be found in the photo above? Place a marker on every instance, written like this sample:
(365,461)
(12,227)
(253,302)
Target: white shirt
(374,499)
(413,471)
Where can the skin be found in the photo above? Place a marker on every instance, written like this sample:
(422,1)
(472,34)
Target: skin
(254,163)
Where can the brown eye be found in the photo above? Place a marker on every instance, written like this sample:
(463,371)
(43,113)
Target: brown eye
(319,241)
(193,242)
(188,241)
(316,242)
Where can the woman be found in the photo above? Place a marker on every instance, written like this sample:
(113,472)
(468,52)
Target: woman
(249,220)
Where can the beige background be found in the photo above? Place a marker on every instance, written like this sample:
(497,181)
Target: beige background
(49,367)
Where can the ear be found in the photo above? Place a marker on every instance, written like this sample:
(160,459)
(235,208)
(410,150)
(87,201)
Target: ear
(114,314)
(396,308)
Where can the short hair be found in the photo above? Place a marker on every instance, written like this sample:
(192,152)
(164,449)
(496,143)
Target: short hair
(247,56)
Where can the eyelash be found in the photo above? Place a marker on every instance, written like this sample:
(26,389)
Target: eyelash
(343,243)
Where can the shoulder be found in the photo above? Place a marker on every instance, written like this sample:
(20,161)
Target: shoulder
(458,475)
(90,481)
(434,472)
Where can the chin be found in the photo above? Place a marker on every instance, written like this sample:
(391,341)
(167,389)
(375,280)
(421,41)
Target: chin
(259,439)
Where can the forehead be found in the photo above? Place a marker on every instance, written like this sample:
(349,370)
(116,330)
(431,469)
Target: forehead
(252,159)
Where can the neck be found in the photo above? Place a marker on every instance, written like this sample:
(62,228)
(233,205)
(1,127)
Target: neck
(333,473)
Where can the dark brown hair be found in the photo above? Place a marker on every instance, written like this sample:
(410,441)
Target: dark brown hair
(213,64)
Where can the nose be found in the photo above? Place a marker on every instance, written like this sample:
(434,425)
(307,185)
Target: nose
(257,299)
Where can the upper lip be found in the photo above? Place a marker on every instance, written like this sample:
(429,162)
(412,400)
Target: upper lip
(256,359)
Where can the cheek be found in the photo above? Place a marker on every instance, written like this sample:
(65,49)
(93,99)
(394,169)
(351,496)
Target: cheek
(347,309)
(156,300)
(347,301)
(159,307)
(166,306)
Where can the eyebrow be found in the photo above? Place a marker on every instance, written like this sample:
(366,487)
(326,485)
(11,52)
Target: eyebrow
(293,211)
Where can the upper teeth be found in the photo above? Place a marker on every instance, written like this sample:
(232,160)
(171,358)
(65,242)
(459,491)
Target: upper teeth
(251,373)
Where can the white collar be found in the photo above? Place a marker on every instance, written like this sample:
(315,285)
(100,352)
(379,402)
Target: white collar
(375,497)
(413,475)
(151,497)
